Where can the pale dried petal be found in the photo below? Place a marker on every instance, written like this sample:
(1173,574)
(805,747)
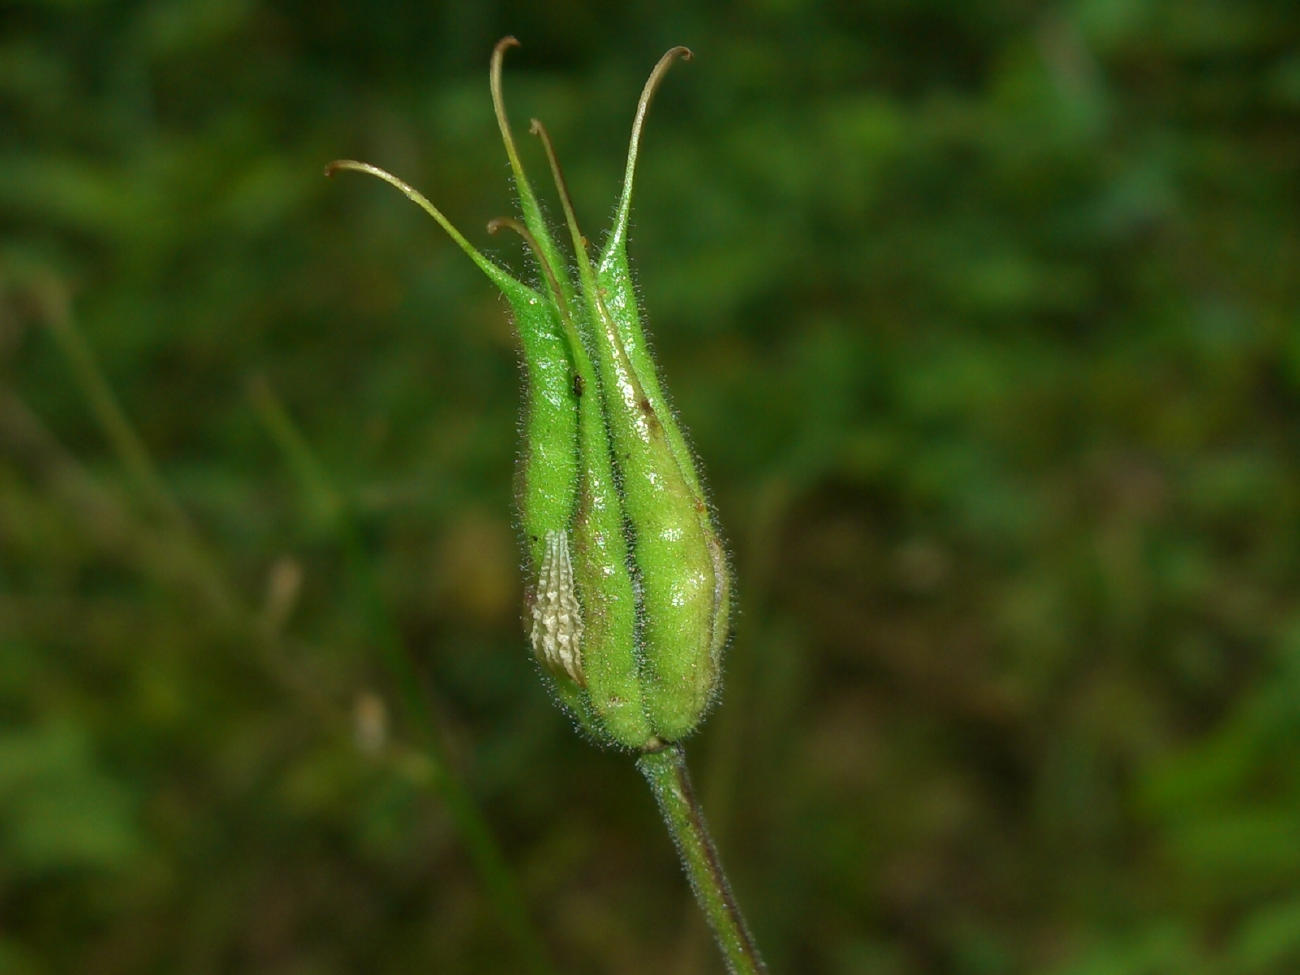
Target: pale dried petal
(556,634)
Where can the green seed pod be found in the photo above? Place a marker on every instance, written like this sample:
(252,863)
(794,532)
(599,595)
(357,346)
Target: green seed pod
(628,603)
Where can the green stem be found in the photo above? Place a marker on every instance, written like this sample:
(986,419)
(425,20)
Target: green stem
(665,770)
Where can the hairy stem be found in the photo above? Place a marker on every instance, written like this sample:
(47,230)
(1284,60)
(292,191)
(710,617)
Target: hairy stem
(665,770)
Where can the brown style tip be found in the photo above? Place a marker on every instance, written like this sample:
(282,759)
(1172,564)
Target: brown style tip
(619,235)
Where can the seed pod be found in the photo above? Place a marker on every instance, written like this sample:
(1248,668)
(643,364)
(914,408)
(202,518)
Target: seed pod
(629,597)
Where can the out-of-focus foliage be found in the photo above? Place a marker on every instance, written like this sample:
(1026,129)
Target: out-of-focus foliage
(985,319)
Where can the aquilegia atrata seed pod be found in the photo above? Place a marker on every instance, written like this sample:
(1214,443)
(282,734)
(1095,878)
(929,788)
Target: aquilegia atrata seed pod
(628,603)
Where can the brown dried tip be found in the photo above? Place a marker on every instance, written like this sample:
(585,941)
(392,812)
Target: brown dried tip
(499,108)
(570,217)
(494,273)
(619,233)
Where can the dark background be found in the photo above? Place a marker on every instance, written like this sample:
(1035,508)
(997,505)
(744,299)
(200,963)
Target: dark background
(985,321)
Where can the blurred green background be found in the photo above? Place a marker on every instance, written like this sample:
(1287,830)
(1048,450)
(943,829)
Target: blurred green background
(985,321)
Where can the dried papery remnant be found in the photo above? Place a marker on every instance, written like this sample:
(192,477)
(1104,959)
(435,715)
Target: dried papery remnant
(556,634)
